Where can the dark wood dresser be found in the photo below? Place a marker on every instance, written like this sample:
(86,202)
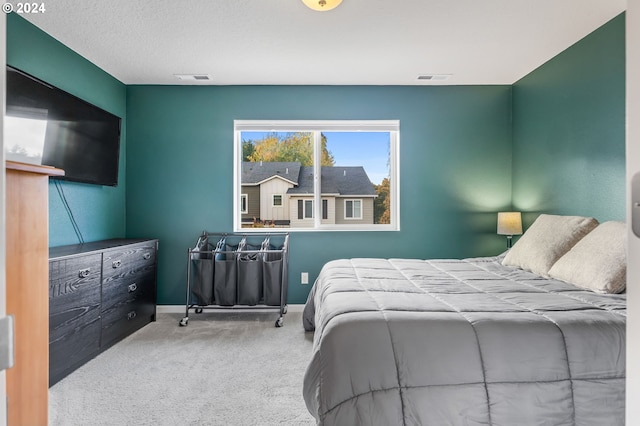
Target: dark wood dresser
(99,293)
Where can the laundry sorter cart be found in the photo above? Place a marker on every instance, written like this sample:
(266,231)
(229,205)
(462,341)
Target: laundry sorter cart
(238,271)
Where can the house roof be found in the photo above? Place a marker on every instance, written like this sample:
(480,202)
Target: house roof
(254,173)
(338,180)
(343,181)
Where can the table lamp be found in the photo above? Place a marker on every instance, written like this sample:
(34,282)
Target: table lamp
(509,224)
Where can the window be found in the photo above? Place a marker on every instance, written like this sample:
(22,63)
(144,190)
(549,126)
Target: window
(244,204)
(321,175)
(353,209)
(308,209)
(305,209)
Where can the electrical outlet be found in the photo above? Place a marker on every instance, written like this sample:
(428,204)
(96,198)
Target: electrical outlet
(304,278)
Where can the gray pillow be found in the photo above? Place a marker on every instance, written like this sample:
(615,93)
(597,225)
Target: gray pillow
(597,262)
(546,241)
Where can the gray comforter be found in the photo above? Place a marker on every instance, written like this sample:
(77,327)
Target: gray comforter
(461,342)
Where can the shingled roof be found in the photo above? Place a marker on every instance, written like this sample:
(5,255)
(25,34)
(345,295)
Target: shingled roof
(254,173)
(338,180)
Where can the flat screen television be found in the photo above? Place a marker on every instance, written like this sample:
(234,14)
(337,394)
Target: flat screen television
(48,126)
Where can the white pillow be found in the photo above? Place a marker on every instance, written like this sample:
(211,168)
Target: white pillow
(546,241)
(598,262)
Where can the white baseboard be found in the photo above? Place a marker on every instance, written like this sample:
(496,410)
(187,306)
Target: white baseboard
(180,309)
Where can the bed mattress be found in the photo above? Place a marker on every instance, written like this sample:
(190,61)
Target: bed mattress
(461,342)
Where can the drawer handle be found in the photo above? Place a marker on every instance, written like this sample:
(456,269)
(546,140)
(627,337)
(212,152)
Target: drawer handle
(146,256)
(131,315)
(116,264)
(84,273)
(133,287)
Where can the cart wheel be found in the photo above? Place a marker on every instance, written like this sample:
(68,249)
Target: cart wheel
(284,309)
(184,321)
(198,310)
(279,322)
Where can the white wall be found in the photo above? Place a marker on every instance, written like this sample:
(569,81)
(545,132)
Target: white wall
(633,167)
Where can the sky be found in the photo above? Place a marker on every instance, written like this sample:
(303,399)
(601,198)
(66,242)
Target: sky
(367,149)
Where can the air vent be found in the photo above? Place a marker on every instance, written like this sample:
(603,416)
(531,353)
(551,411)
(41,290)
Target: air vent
(193,77)
(434,77)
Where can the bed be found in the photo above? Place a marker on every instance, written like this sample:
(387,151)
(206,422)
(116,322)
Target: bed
(506,340)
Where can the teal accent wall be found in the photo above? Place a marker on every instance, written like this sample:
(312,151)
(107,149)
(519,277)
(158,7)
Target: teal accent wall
(455,161)
(553,142)
(569,130)
(99,210)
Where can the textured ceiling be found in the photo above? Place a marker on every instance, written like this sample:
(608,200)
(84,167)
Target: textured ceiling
(376,42)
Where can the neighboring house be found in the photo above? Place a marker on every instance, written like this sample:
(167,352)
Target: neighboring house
(264,188)
(283,192)
(347,197)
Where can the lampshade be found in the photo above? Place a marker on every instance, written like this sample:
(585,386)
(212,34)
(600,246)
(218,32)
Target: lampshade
(321,5)
(509,223)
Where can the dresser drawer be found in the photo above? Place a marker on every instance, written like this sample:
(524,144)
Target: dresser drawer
(70,277)
(123,319)
(127,261)
(69,351)
(74,294)
(138,287)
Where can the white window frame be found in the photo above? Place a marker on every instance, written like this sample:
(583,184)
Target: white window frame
(273,200)
(352,200)
(244,197)
(317,127)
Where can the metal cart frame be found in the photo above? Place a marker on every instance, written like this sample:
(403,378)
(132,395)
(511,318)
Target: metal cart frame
(284,251)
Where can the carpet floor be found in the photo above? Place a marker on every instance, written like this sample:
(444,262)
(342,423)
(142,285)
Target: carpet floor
(226,368)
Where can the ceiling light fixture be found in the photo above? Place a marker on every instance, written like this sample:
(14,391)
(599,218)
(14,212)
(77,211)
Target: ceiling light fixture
(321,5)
